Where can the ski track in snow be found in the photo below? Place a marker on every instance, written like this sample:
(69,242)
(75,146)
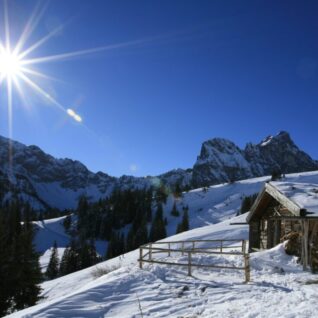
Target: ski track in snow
(278,287)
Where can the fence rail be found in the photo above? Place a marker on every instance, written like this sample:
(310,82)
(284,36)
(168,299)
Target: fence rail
(216,247)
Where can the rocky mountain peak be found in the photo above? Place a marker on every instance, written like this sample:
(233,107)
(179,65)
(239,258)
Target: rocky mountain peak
(215,145)
(282,137)
(221,160)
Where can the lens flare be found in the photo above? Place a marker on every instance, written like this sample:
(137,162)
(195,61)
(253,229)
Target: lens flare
(78,118)
(75,116)
(71,112)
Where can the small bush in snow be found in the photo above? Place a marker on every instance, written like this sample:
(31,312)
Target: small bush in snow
(99,271)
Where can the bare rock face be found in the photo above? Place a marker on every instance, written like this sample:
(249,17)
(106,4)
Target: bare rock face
(221,160)
(278,153)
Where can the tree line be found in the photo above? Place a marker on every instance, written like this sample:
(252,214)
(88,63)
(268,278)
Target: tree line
(77,256)
(126,219)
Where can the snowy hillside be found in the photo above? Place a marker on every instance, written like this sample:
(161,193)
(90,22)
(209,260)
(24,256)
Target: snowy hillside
(206,206)
(279,287)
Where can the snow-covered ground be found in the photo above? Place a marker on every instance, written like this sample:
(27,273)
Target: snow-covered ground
(278,287)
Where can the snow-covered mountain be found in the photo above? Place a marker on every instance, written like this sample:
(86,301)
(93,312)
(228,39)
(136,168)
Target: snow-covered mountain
(43,180)
(221,160)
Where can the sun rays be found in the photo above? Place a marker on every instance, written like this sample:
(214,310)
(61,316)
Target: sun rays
(18,60)
(16,65)
(16,68)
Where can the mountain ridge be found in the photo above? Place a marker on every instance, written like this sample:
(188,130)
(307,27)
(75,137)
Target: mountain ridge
(45,181)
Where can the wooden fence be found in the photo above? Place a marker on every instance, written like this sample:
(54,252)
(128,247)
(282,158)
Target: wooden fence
(215,247)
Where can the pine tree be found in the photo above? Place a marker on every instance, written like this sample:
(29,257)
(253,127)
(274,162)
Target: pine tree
(5,268)
(184,225)
(158,230)
(247,203)
(53,267)
(70,260)
(162,194)
(276,175)
(149,213)
(185,220)
(20,273)
(177,190)
(130,240)
(82,213)
(174,211)
(87,254)
(29,272)
(141,236)
(93,256)
(67,223)
(116,245)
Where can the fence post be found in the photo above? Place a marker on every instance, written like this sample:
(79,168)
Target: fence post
(247,268)
(189,263)
(193,244)
(182,248)
(150,251)
(243,246)
(169,253)
(221,247)
(140,257)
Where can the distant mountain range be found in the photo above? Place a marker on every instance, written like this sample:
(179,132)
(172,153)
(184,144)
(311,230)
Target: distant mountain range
(45,181)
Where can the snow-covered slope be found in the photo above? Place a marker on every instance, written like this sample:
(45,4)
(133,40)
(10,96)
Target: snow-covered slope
(278,288)
(206,206)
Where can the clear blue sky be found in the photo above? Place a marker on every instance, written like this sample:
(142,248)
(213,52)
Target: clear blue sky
(241,70)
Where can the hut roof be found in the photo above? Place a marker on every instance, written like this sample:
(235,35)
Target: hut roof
(301,199)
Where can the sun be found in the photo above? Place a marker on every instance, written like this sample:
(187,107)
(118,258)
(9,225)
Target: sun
(10,64)
(17,60)
(16,66)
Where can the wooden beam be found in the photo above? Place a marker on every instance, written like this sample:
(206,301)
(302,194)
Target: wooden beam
(282,199)
(140,257)
(239,223)
(293,218)
(196,265)
(310,242)
(306,234)
(255,205)
(247,268)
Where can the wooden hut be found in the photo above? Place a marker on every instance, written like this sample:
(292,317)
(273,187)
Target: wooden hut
(286,210)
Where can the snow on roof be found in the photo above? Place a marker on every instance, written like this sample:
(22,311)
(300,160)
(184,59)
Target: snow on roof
(305,195)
